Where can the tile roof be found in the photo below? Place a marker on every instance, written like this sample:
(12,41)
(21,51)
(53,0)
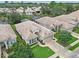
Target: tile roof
(6,32)
(74,15)
(49,21)
(28,28)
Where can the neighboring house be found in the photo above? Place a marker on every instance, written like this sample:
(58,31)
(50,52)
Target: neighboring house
(20,10)
(32,10)
(50,23)
(31,32)
(1,9)
(37,9)
(12,10)
(8,10)
(29,11)
(7,35)
(65,18)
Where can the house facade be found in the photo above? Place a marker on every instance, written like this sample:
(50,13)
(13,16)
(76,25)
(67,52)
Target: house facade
(7,35)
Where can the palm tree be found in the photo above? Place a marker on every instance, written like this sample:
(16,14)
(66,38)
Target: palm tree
(57,28)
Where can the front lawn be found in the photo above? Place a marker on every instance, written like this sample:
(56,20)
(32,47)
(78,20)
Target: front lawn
(64,38)
(42,52)
(74,47)
(76,29)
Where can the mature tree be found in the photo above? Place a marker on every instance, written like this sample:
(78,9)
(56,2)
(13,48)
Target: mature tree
(76,6)
(52,4)
(14,18)
(45,10)
(69,8)
(57,28)
(20,50)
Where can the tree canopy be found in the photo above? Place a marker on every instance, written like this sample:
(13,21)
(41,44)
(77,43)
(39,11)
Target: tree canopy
(21,51)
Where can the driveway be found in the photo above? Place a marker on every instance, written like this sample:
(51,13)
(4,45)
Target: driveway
(60,50)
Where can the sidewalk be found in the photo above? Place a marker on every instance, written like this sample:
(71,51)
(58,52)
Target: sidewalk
(75,35)
(72,44)
(54,56)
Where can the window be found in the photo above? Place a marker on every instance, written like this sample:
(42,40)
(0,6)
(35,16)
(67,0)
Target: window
(29,41)
(34,40)
(7,42)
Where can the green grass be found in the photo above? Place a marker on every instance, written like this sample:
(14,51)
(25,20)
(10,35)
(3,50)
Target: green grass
(42,52)
(71,40)
(76,29)
(67,42)
(74,47)
(64,40)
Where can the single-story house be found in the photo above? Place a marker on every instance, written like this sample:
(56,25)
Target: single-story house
(29,11)
(65,18)
(50,23)
(20,10)
(7,35)
(31,32)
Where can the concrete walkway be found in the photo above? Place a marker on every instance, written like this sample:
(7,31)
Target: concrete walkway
(75,35)
(72,44)
(53,56)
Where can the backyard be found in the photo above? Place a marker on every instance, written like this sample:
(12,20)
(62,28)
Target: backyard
(42,52)
(64,38)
